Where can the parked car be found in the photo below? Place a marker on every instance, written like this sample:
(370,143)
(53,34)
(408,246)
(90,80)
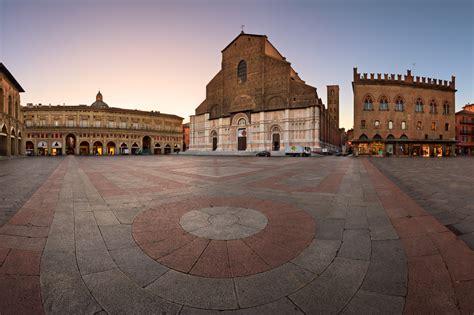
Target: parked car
(263,153)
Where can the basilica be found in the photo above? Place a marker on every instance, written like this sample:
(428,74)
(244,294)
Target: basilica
(257,101)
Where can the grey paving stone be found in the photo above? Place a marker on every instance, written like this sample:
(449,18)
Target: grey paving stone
(365,302)
(137,265)
(388,269)
(329,229)
(61,233)
(383,232)
(68,297)
(116,293)
(272,285)
(94,261)
(468,239)
(117,236)
(89,239)
(282,306)
(331,291)
(62,289)
(318,255)
(126,216)
(195,291)
(105,217)
(355,245)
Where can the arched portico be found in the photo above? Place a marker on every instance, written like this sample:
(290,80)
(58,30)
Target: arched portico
(3,141)
(110,148)
(157,149)
(97,148)
(84,148)
(70,144)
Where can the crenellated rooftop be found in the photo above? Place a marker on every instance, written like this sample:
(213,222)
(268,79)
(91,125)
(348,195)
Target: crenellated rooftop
(407,79)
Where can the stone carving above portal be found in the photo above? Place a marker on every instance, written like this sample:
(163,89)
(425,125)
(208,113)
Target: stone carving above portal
(242,103)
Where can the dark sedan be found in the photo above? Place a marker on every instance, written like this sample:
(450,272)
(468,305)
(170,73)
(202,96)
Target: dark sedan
(263,153)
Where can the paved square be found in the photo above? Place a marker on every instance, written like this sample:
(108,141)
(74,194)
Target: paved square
(181,234)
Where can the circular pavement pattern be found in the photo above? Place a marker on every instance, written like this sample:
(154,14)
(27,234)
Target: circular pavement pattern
(223,223)
(223,237)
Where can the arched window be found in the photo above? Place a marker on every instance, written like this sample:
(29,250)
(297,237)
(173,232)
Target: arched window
(242,72)
(362,124)
(332,92)
(446,108)
(399,104)
(383,103)
(433,107)
(241,121)
(377,124)
(368,103)
(419,105)
(363,137)
(390,124)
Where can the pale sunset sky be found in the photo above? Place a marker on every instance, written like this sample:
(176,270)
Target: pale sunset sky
(159,55)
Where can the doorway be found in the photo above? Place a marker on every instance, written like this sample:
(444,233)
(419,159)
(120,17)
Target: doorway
(70,144)
(276,142)
(242,139)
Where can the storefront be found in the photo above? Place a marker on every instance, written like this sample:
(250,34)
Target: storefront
(404,147)
(42,148)
(56,148)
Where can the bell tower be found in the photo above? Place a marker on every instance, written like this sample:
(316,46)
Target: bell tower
(333,102)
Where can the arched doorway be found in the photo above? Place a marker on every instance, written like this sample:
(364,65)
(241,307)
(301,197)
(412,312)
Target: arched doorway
(97,148)
(214,140)
(275,138)
(135,148)
(56,148)
(146,145)
(176,148)
(241,135)
(13,143)
(70,144)
(111,148)
(3,138)
(84,148)
(157,150)
(124,149)
(167,149)
(42,148)
(30,148)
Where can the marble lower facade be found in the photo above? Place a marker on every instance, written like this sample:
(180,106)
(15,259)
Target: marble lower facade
(265,130)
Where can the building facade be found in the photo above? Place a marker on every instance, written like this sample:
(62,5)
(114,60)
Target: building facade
(465,130)
(11,121)
(403,115)
(185,136)
(257,101)
(98,130)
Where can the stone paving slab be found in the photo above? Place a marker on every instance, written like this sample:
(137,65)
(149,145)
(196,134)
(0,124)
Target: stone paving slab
(339,237)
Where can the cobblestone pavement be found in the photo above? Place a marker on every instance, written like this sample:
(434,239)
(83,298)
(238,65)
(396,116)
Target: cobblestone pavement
(19,179)
(244,235)
(444,187)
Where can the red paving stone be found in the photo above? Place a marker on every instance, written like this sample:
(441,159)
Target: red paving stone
(184,258)
(214,261)
(23,237)
(429,287)
(20,295)
(432,278)
(3,254)
(22,262)
(288,232)
(243,260)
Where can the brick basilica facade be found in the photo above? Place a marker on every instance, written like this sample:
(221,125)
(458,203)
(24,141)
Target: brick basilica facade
(99,129)
(257,101)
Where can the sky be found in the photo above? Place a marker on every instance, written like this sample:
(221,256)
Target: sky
(159,55)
